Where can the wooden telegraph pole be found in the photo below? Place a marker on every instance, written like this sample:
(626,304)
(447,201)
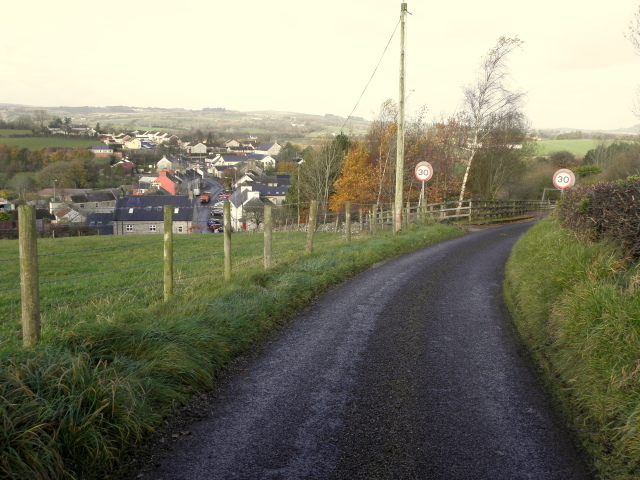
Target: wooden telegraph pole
(400,148)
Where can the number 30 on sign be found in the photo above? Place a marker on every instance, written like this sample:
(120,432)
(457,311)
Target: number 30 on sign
(423,171)
(564,178)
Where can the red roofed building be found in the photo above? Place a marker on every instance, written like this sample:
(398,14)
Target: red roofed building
(167,182)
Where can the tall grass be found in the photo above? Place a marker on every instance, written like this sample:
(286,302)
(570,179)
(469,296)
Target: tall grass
(577,307)
(94,389)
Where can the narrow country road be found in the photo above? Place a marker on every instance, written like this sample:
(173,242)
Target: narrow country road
(409,371)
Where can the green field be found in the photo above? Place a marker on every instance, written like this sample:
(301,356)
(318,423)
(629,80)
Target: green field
(578,147)
(38,143)
(7,133)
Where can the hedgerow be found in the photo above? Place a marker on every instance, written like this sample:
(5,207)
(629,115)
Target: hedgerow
(605,211)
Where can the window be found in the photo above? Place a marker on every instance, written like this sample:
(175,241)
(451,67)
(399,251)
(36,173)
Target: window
(180,229)
(129,228)
(152,228)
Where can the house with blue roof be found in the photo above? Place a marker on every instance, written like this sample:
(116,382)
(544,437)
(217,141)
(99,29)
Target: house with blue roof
(144,214)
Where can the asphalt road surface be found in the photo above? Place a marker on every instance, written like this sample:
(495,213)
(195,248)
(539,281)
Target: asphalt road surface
(411,370)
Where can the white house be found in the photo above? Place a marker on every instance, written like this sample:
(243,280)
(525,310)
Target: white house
(268,148)
(133,144)
(197,149)
(249,198)
(267,160)
(164,164)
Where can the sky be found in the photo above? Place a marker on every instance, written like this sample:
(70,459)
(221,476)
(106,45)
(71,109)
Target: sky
(317,57)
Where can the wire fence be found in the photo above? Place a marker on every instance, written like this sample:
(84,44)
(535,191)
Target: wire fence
(84,278)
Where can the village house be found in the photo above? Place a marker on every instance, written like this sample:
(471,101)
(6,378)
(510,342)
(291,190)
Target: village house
(145,214)
(196,149)
(165,164)
(248,200)
(126,165)
(220,163)
(100,221)
(272,149)
(132,144)
(79,200)
(267,161)
(97,201)
(189,180)
(167,181)
(101,150)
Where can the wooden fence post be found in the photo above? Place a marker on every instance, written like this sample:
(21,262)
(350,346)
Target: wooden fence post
(408,216)
(268,235)
(394,214)
(311,225)
(227,240)
(168,252)
(374,218)
(347,221)
(29,281)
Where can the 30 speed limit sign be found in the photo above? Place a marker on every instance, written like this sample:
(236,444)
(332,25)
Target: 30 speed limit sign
(423,171)
(564,178)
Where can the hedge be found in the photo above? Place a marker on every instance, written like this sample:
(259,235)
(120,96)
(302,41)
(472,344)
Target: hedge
(606,211)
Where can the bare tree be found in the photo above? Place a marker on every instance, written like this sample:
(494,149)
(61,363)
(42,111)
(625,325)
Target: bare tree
(41,117)
(487,99)
(320,169)
(502,161)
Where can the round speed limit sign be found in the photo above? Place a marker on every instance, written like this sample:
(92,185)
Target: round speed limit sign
(423,171)
(564,178)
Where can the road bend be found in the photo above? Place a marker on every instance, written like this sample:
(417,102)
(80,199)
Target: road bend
(411,370)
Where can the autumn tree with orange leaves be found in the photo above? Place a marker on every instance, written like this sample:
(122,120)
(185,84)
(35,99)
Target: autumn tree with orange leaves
(358,179)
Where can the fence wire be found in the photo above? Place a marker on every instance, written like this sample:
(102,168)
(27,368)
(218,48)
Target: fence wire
(200,257)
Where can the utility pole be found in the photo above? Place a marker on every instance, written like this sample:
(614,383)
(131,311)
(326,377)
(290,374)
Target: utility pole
(400,146)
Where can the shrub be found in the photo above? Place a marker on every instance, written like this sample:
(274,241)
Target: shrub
(606,211)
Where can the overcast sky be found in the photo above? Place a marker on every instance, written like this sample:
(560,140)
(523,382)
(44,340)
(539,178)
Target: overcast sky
(577,67)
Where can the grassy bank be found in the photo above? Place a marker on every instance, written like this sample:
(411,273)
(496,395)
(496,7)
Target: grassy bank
(87,394)
(577,307)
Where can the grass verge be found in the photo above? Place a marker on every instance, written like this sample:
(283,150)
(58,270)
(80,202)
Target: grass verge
(577,308)
(86,395)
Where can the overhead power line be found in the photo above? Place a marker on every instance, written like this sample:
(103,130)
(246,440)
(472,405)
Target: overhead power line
(372,75)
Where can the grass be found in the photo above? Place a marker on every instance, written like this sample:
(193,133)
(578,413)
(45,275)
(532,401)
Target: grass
(578,147)
(38,143)
(577,307)
(74,276)
(4,132)
(99,381)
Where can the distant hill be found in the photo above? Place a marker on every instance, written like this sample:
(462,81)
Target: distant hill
(266,125)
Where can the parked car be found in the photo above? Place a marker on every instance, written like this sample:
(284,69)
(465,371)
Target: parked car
(217,212)
(215,225)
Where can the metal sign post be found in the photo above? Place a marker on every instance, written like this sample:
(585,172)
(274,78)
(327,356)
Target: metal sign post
(423,172)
